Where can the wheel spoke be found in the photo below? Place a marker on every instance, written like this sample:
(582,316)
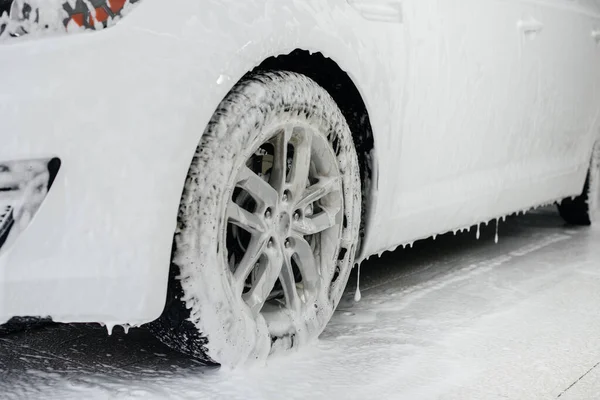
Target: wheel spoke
(244,219)
(320,222)
(279,172)
(319,190)
(249,261)
(267,275)
(260,189)
(288,281)
(305,259)
(300,163)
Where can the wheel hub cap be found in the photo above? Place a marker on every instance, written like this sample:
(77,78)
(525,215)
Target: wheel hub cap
(283,225)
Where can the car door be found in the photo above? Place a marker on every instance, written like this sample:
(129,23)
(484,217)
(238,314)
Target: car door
(469,103)
(591,35)
(568,95)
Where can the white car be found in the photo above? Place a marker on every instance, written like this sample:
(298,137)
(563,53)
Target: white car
(217,168)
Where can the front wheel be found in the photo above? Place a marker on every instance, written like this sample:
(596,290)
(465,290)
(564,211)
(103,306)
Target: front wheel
(585,209)
(268,224)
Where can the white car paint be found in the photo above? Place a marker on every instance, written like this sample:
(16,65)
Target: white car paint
(479,108)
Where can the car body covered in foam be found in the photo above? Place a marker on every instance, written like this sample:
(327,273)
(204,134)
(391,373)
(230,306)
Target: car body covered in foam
(478,109)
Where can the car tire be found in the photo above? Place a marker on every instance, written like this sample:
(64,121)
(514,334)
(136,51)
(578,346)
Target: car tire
(268,224)
(585,208)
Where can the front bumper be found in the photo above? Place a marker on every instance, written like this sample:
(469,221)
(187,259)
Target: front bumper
(98,247)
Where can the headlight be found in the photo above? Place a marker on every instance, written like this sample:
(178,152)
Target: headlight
(21,17)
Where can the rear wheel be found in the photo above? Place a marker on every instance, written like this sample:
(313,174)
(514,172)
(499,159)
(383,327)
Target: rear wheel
(268,224)
(585,209)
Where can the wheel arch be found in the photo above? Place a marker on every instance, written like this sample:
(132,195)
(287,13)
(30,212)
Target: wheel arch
(344,90)
(339,84)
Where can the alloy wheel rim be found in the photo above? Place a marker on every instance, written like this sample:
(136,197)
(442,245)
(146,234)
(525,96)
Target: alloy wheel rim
(283,225)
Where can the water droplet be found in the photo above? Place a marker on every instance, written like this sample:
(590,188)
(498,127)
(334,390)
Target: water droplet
(496,239)
(358,295)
